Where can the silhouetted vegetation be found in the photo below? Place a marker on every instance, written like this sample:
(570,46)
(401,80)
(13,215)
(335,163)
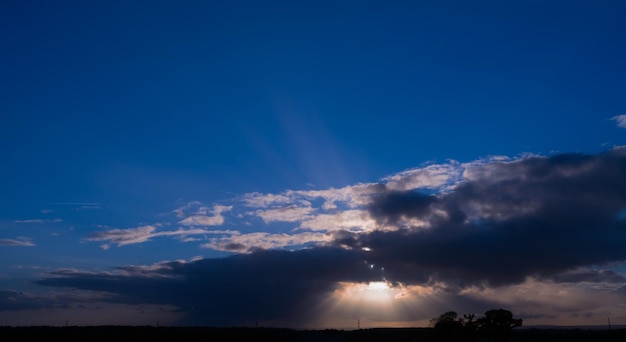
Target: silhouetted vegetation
(495,325)
(148,333)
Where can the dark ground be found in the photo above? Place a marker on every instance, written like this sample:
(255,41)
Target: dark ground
(136,334)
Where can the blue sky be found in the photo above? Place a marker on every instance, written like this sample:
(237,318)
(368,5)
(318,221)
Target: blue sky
(142,133)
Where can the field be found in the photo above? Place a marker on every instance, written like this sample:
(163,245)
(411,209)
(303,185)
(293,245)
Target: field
(125,333)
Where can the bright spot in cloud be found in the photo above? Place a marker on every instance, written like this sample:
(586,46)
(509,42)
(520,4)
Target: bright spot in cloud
(375,293)
(373,304)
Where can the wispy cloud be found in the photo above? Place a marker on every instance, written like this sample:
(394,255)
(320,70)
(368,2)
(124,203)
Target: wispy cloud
(56,220)
(76,203)
(290,213)
(352,220)
(201,216)
(122,237)
(89,207)
(17,242)
(245,243)
(620,119)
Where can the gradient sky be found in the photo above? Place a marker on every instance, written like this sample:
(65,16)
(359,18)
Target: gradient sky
(311,163)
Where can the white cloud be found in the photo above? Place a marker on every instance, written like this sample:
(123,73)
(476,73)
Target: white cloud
(259,200)
(201,219)
(354,220)
(262,240)
(20,241)
(180,212)
(351,196)
(428,177)
(122,237)
(620,119)
(286,214)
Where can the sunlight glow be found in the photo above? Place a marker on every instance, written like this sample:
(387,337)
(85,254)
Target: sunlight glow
(375,293)
(375,304)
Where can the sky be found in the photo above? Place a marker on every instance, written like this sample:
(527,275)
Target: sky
(311,164)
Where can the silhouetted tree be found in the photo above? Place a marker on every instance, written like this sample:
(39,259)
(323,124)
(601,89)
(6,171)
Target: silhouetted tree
(469,326)
(497,324)
(448,326)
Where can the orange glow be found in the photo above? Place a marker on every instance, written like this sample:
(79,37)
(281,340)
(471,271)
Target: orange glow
(374,304)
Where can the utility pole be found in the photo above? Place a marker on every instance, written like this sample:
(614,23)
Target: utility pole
(358,323)
(609,320)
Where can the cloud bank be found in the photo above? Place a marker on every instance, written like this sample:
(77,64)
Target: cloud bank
(457,231)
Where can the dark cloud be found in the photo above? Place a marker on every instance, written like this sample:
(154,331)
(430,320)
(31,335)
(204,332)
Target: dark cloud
(391,206)
(16,300)
(533,217)
(235,247)
(263,285)
(11,300)
(544,217)
(589,275)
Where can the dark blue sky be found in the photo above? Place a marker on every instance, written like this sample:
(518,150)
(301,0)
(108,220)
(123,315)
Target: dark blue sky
(163,130)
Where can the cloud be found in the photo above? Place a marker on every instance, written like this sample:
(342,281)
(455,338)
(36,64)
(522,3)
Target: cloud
(620,119)
(286,214)
(201,220)
(245,243)
(200,217)
(428,177)
(56,220)
(16,300)
(394,206)
(19,242)
(299,287)
(122,237)
(89,207)
(353,207)
(181,211)
(590,275)
(352,220)
(508,221)
(259,200)
(350,196)
(264,285)
(490,232)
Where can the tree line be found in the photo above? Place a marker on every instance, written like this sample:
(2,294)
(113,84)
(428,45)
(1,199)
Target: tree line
(494,325)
